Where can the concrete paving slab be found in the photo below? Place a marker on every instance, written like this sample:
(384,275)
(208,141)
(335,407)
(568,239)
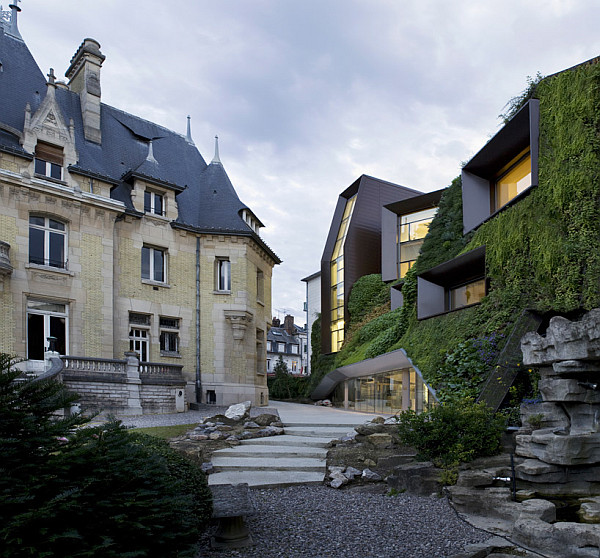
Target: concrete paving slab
(319,431)
(268,463)
(267,479)
(258,450)
(286,440)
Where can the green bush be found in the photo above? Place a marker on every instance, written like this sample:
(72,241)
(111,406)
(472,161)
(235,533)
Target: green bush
(452,433)
(94,491)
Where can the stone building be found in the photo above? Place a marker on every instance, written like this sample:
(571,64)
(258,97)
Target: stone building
(116,236)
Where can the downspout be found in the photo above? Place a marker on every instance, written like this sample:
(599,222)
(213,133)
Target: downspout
(198,374)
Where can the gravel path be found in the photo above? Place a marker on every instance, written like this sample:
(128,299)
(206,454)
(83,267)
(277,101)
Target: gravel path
(318,522)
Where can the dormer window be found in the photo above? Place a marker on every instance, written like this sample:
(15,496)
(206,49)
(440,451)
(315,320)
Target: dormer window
(154,202)
(49,160)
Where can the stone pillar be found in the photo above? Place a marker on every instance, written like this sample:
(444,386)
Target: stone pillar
(132,368)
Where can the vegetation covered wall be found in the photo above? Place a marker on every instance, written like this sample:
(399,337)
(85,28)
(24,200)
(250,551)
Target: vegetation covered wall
(542,253)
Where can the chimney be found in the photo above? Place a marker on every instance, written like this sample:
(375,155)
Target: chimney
(276,322)
(84,78)
(288,324)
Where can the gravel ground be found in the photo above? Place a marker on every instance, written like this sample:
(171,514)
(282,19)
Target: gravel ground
(318,522)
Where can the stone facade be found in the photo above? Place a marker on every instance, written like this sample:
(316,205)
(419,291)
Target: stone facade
(109,242)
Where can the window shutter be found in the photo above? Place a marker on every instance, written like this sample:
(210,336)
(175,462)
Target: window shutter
(49,153)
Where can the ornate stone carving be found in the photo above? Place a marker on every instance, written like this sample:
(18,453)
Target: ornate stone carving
(5,267)
(239,320)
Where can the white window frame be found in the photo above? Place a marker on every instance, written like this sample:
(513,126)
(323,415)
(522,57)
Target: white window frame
(50,234)
(152,272)
(151,206)
(223,275)
(48,315)
(139,342)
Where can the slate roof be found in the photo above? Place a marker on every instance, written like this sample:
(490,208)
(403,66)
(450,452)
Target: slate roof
(206,199)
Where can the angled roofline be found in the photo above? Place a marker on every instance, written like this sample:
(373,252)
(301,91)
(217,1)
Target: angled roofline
(152,180)
(311,277)
(230,232)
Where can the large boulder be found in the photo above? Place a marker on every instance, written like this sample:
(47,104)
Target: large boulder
(239,411)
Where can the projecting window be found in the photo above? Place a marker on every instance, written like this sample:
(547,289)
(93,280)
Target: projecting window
(48,160)
(223,274)
(47,241)
(465,295)
(169,336)
(513,178)
(294,349)
(281,347)
(412,229)
(154,264)
(154,203)
(269,346)
(46,319)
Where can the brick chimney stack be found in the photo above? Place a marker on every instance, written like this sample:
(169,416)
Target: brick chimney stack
(276,322)
(288,324)
(84,78)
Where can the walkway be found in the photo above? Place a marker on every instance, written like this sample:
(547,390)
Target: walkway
(297,457)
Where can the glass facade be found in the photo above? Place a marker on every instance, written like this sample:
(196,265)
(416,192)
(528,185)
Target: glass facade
(412,229)
(387,393)
(337,280)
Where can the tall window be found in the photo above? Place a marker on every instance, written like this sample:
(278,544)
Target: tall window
(260,286)
(46,319)
(47,241)
(337,279)
(154,264)
(223,273)
(48,160)
(169,336)
(412,229)
(513,178)
(139,335)
(153,202)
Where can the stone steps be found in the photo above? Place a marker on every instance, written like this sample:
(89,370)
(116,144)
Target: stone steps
(245,463)
(266,479)
(263,450)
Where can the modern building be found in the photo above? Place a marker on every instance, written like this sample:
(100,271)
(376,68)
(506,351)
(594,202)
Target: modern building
(404,226)
(312,309)
(352,249)
(116,236)
(288,342)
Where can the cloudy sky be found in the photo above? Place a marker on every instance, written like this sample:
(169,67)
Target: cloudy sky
(307,95)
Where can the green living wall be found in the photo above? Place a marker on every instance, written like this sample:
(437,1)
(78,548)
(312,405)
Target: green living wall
(541,253)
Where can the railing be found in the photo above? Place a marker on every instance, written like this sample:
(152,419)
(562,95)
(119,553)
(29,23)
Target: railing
(160,369)
(94,365)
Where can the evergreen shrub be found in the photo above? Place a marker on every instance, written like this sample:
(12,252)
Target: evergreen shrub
(94,491)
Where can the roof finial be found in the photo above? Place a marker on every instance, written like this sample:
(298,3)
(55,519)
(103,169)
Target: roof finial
(51,76)
(150,157)
(216,157)
(14,29)
(189,129)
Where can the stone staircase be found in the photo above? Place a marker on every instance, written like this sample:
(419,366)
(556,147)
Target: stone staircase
(296,457)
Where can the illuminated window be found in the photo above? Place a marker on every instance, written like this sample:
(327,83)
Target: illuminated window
(412,229)
(514,178)
(337,279)
(465,295)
